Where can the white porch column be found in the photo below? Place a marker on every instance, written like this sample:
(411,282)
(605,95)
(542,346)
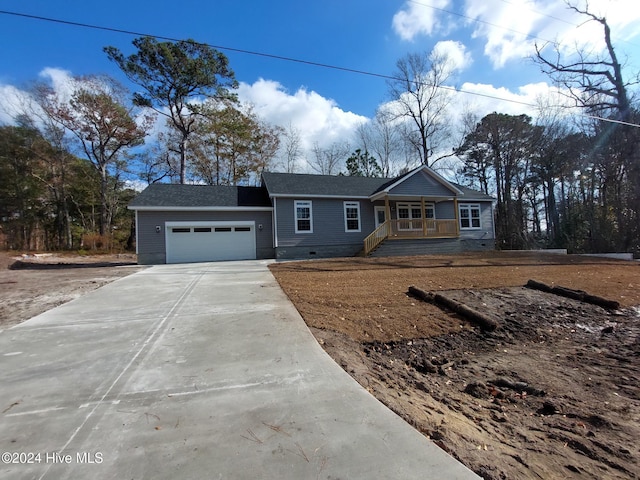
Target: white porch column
(424,217)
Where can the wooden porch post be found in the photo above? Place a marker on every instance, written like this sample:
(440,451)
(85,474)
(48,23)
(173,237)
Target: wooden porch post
(387,213)
(456,215)
(424,217)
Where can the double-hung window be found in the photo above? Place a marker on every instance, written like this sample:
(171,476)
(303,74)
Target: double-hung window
(351,216)
(304,216)
(469,216)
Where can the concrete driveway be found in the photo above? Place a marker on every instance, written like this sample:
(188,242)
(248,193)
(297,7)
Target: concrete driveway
(188,372)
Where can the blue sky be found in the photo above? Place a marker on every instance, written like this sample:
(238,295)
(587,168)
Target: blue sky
(491,40)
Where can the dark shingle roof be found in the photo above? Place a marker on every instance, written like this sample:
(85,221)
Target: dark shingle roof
(277,184)
(321,185)
(174,195)
(471,194)
(343,186)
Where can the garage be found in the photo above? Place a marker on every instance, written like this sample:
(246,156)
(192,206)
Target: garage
(190,242)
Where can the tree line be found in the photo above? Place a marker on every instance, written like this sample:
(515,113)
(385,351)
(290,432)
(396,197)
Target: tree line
(564,181)
(68,161)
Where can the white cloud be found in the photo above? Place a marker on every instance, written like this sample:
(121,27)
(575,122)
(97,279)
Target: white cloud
(504,27)
(509,30)
(416,19)
(16,101)
(318,119)
(60,80)
(456,52)
(483,99)
(13,103)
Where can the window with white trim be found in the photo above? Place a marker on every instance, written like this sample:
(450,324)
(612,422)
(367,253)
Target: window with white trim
(304,216)
(351,216)
(469,216)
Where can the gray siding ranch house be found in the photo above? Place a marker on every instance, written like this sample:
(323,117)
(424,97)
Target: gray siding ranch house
(297,216)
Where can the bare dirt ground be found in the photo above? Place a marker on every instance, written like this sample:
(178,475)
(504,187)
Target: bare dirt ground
(553,392)
(30,285)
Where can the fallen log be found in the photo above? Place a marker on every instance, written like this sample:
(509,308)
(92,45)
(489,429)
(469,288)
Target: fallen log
(483,321)
(580,295)
(538,286)
(469,313)
(569,293)
(421,294)
(602,302)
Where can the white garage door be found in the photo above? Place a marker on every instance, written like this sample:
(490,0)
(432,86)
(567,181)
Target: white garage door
(210,241)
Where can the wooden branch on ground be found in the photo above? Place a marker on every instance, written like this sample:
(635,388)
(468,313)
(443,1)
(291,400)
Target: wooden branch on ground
(580,295)
(483,321)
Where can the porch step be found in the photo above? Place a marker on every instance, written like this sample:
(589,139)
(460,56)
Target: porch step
(418,246)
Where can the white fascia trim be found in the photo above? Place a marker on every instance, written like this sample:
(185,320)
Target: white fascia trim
(410,198)
(137,230)
(201,209)
(240,223)
(274,224)
(303,196)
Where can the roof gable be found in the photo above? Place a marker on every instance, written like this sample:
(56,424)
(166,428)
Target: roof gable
(421,184)
(421,181)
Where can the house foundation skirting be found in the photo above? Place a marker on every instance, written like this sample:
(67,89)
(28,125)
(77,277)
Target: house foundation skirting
(151,258)
(424,246)
(318,251)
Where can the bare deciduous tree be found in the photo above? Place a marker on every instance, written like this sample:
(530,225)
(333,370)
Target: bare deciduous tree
(382,138)
(104,126)
(421,99)
(291,146)
(328,161)
(594,81)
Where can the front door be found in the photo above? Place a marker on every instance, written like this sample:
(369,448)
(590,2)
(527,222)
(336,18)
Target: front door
(381,216)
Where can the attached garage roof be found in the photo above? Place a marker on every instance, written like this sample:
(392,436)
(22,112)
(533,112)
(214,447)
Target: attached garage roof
(159,195)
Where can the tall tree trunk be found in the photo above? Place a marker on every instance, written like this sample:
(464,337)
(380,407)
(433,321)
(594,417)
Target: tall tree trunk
(103,201)
(183,158)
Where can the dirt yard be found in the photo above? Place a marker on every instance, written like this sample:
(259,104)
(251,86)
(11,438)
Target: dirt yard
(552,392)
(30,285)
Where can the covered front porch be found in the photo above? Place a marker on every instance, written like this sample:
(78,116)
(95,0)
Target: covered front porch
(411,217)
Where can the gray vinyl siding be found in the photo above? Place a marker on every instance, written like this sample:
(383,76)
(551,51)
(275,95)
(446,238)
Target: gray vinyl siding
(486,222)
(328,222)
(151,245)
(445,211)
(421,184)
